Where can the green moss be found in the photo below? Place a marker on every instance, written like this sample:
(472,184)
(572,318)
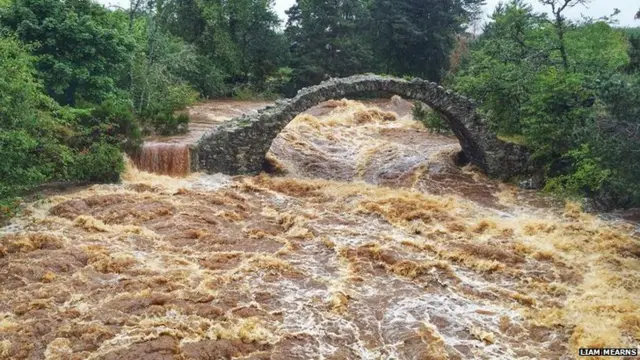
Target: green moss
(513,139)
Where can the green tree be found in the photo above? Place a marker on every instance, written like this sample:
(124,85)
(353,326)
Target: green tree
(616,138)
(160,65)
(633,36)
(415,37)
(560,25)
(557,85)
(237,42)
(82,51)
(504,62)
(29,152)
(328,39)
(252,25)
(597,49)
(39,140)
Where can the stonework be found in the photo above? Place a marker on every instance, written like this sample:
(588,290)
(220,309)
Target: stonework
(239,146)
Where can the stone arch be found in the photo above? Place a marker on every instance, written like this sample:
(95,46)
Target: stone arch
(239,146)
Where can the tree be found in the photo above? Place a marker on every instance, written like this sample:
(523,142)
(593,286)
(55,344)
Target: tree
(25,135)
(82,51)
(566,99)
(560,23)
(37,135)
(503,64)
(252,25)
(328,39)
(415,37)
(633,36)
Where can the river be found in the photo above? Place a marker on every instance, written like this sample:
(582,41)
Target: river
(366,241)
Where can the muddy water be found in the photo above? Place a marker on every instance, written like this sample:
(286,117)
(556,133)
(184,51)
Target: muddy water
(370,244)
(170,155)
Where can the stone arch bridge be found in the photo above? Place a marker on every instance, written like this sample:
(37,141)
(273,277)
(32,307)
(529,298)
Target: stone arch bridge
(239,146)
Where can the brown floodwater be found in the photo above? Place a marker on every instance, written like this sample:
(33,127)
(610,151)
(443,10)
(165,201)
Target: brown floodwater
(170,155)
(366,242)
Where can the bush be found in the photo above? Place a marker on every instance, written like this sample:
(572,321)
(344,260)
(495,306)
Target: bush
(170,124)
(160,116)
(112,122)
(206,78)
(616,137)
(158,86)
(577,111)
(102,162)
(159,100)
(554,119)
(586,176)
(281,82)
(30,139)
(432,120)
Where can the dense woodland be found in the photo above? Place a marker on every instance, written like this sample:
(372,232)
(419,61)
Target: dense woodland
(82,83)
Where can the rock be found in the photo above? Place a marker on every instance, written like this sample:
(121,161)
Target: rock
(534,182)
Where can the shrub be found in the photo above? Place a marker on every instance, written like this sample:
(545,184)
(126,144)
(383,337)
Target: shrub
(554,119)
(586,176)
(102,162)
(432,120)
(30,139)
(170,124)
(281,82)
(158,83)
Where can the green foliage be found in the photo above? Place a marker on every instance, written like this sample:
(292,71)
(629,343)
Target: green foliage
(237,41)
(587,176)
(553,116)
(498,72)
(158,88)
(597,49)
(19,90)
(328,40)
(559,87)
(165,123)
(633,37)
(80,51)
(280,82)
(31,139)
(206,77)
(41,141)
(400,37)
(25,139)
(616,137)
(111,122)
(429,118)
(102,162)
(247,92)
(416,37)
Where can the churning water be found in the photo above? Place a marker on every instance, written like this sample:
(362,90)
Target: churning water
(369,243)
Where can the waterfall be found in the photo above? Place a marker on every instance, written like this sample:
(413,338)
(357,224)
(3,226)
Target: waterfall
(173,159)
